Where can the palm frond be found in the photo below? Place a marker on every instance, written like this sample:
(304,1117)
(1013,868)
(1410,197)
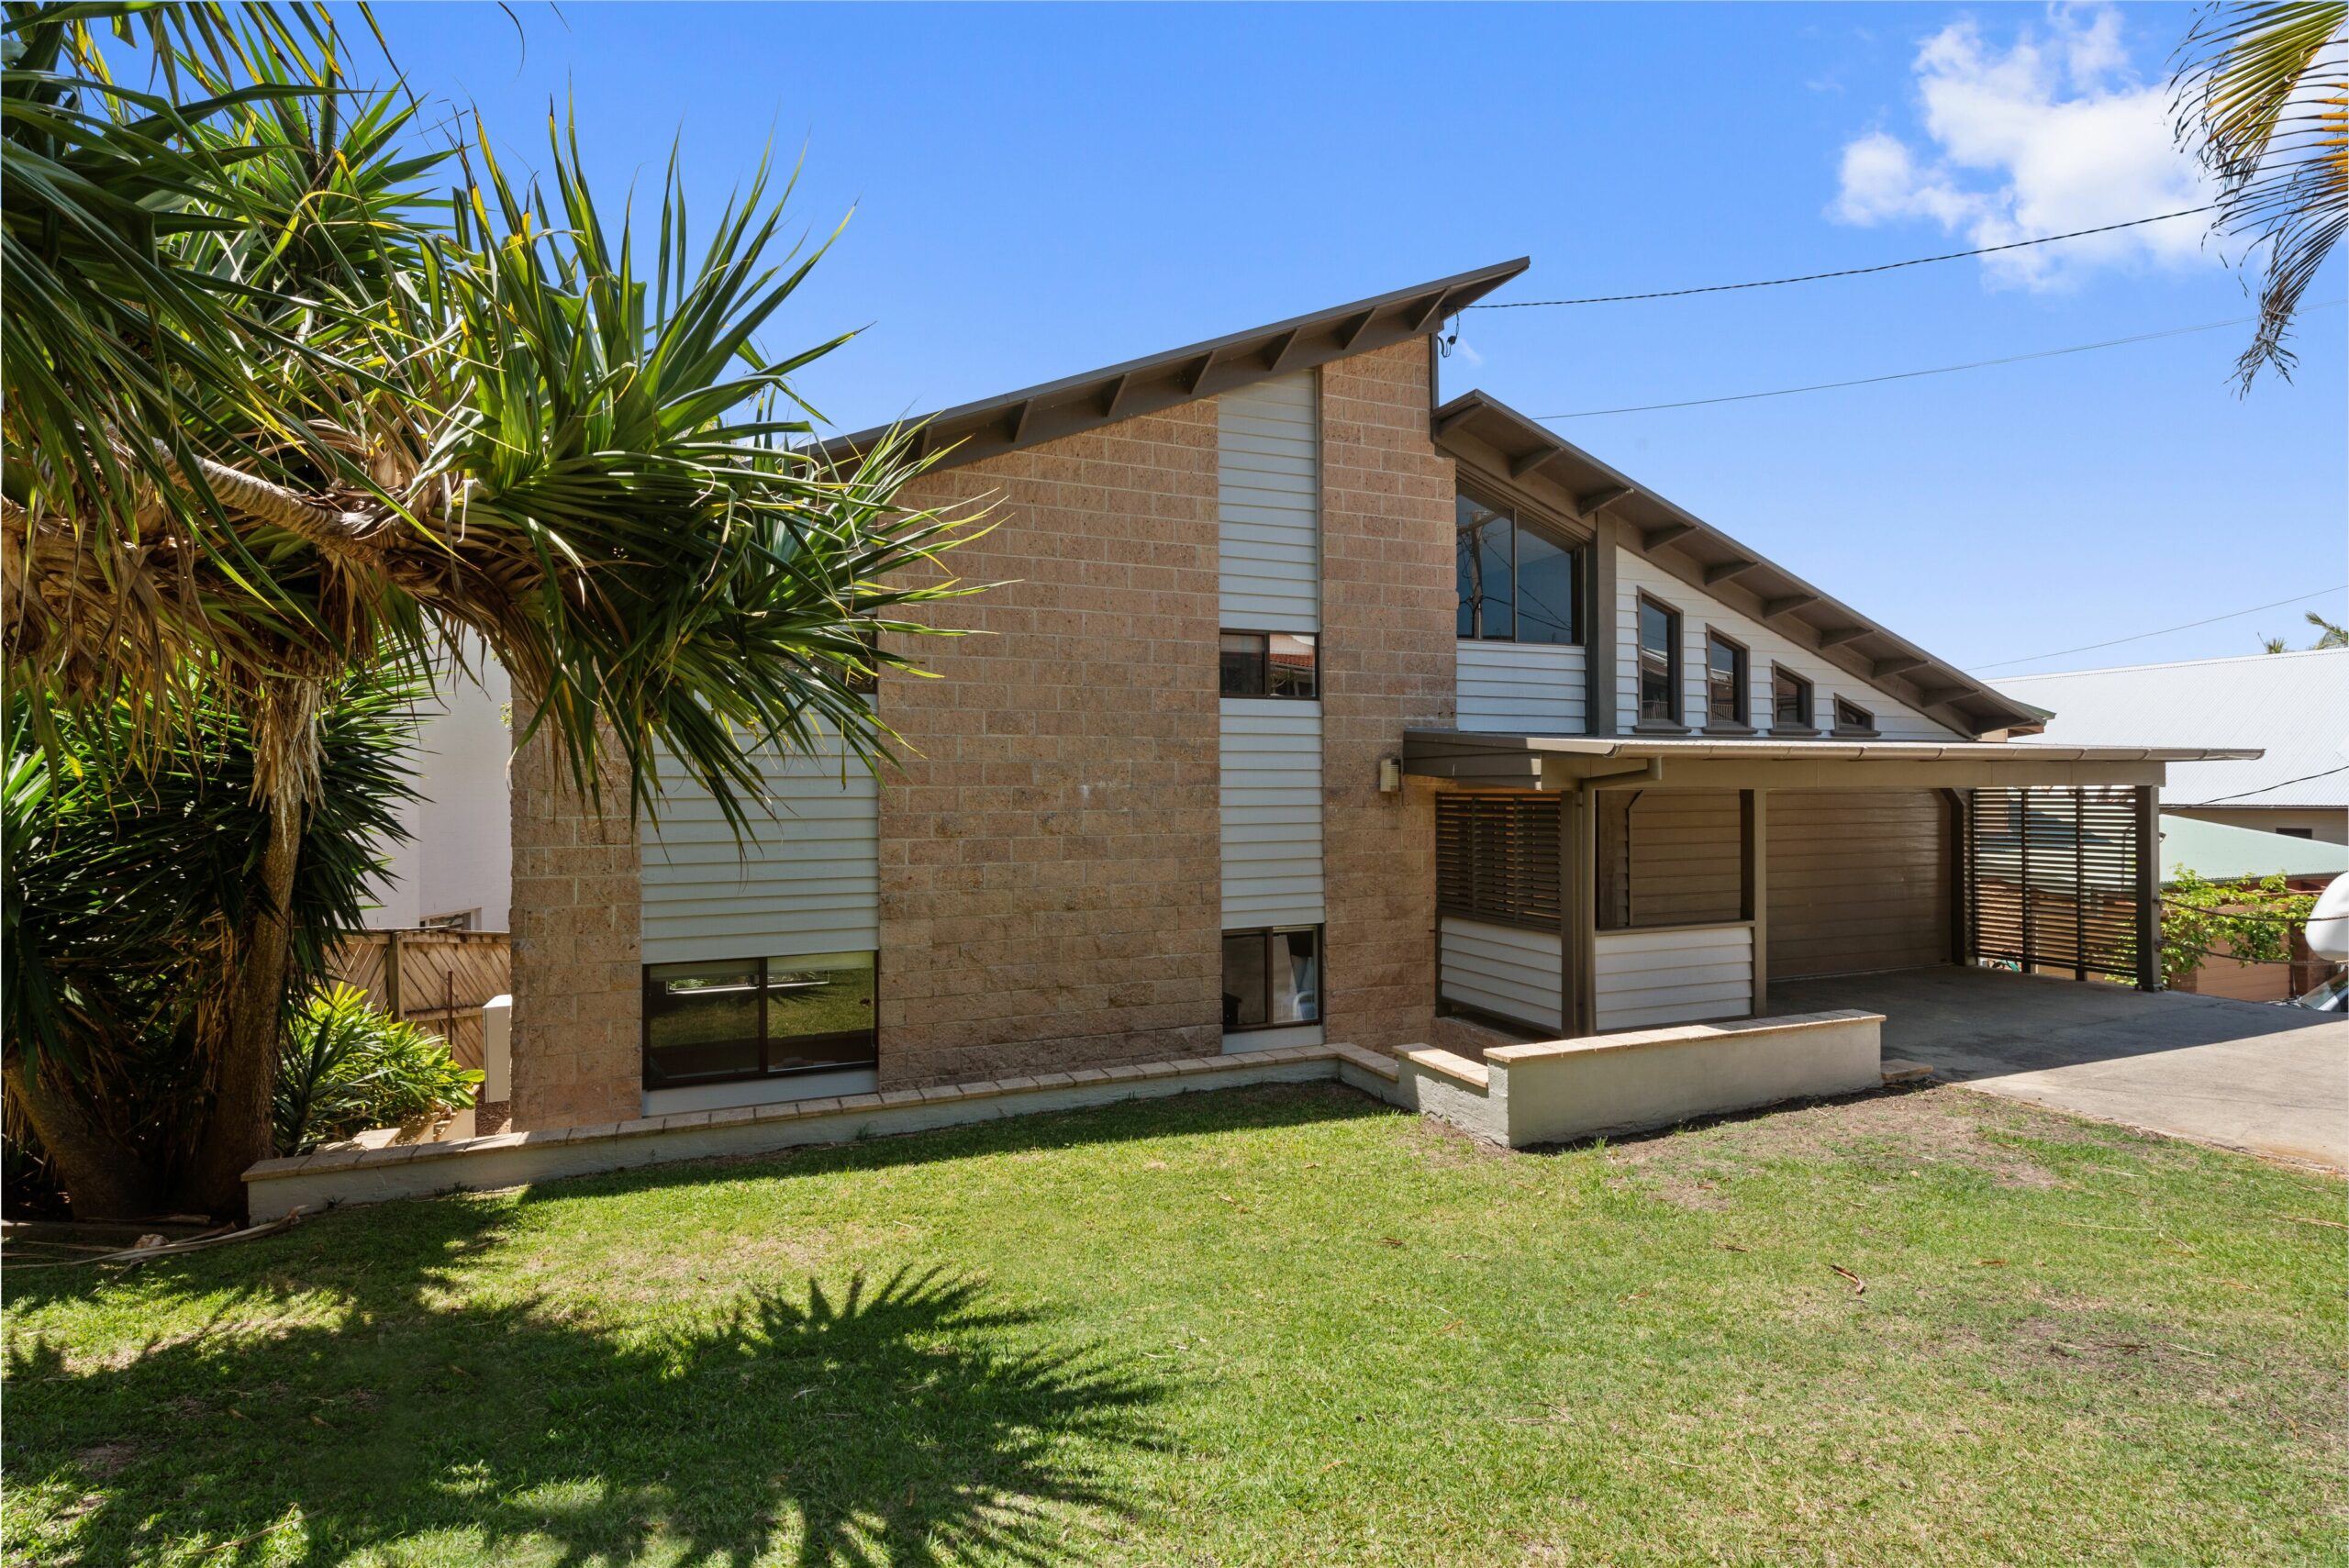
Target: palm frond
(2260,95)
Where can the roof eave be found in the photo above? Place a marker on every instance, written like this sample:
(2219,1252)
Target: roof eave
(1479,431)
(994,425)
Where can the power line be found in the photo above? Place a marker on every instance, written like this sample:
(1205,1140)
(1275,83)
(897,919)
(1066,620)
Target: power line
(1847,271)
(1911,375)
(2140,637)
(2279,783)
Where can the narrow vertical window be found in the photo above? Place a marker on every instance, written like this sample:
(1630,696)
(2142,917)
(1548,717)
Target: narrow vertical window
(1545,589)
(1790,699)
(1486,571)
(1659,662)
(1726,699)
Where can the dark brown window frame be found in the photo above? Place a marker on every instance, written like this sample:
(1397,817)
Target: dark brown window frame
(1807,716)
(1313,639)
(653,1079)
(1577,552)
(1741,675)
(1866,723)
(1321,976)
(1676,677)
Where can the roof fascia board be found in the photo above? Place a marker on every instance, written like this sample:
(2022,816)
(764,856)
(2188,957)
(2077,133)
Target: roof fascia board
(991,426)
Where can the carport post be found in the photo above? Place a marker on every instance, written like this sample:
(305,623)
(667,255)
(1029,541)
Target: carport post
(2149,889)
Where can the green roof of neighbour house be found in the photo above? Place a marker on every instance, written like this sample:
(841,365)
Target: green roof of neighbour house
(2218,852)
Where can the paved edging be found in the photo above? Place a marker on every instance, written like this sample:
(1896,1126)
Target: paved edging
(274,1187)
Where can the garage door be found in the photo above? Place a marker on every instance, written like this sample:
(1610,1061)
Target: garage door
(1859,881)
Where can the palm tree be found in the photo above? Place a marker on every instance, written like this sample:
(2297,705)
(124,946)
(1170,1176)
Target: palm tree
(2260,93)
(275,413)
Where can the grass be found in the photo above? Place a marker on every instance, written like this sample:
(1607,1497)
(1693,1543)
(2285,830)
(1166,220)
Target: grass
(1268,1326)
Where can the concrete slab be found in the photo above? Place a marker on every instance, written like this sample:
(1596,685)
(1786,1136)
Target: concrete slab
(2270,1080)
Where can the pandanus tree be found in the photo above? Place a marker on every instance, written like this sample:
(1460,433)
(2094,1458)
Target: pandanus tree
(277,409)
(2261,95)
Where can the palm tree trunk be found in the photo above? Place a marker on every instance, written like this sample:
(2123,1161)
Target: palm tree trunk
(105,1178)
(238,1133)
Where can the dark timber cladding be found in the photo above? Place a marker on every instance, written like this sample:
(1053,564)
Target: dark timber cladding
(1023,419)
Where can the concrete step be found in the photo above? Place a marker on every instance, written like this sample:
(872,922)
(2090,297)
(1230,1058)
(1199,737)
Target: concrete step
(1897,1070)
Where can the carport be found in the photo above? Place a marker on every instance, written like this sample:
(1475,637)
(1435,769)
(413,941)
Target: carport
(2271,1079)
(1586,885)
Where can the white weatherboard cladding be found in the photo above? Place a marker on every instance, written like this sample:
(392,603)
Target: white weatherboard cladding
(806,881)
(1635,575)
(1271,799)
(1521,688)
(1510,970)
(1269,506)
(1674,975)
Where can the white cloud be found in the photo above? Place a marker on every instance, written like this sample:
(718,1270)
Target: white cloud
(2053,133)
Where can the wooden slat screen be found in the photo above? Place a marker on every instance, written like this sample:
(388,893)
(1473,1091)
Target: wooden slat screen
(2053,879)
(1496,858)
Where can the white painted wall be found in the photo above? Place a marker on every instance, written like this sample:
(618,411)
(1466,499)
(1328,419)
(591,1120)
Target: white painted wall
(1521,688)
(1636,573)
(1270,792)
(1269,506)
(460,854)
(1510,971)
(807,880)
(1673,975)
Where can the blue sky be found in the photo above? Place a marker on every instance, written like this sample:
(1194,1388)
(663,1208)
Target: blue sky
(1039,190)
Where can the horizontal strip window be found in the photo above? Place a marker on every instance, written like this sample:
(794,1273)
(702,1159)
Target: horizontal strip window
(1270,664)
(711,1022)
(1272,978)
(1514,583)
(1497,858)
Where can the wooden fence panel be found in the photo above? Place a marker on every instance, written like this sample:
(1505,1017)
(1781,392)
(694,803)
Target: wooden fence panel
(437,980)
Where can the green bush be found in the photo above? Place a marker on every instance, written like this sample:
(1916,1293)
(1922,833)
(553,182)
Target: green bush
(346,1067)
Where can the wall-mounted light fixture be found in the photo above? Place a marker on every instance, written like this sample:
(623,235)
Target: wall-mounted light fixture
(1390,775)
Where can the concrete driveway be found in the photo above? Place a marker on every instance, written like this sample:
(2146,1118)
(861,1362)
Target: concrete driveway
(2270,1080)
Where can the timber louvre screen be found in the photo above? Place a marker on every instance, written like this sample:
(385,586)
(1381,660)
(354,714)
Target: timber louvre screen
(2053,879)
(1497,858)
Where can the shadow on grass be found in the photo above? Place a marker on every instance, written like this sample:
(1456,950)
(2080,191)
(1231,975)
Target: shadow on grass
(911,1422)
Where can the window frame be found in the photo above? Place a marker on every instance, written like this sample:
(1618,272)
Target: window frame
(1806,721)
(1741,674)
(1676,677)
(1321,976)
(1866,725)
(1265,641)
(1577,565)
(654,1079)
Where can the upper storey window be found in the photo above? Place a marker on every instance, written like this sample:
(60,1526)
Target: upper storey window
(1659,662)
(1516,583)
(1268,664)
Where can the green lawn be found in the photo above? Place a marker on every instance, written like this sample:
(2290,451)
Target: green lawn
(1273,1327)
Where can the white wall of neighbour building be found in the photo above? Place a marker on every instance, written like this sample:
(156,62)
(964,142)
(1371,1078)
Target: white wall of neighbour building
(459,859)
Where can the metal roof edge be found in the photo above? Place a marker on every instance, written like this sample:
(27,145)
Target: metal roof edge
(1012,420)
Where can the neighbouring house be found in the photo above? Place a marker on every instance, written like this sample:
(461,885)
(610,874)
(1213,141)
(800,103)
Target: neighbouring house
(1316,708)
(2292,708)
(2218,853)
(455,870)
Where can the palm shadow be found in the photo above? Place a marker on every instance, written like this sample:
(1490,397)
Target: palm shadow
(910,1423)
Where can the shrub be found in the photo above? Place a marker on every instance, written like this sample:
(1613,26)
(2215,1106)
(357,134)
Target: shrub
(346,1067)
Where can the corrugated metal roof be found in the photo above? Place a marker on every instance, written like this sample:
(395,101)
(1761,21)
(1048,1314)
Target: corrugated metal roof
(2293,707)
(2220,852)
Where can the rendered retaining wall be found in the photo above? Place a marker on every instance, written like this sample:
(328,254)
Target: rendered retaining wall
(1558,1091)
